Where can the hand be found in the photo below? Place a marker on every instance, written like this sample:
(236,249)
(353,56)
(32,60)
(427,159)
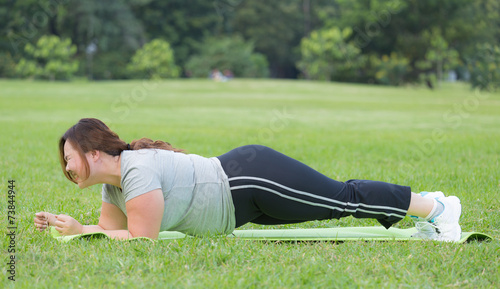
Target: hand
(43,220)
(66,225)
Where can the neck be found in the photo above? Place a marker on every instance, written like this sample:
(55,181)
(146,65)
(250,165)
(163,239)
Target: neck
(110,171)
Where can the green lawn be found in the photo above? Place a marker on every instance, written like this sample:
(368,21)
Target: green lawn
(447,139)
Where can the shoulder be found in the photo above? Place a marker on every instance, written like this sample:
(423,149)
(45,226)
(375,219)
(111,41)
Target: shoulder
(142,171)
(144,154)
(140,162)
(144,158)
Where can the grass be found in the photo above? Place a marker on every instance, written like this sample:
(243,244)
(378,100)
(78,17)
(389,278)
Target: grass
(447,139)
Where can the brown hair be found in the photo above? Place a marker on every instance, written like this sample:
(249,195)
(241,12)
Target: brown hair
(91,134)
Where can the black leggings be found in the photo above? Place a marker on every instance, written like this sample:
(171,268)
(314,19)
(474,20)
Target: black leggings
(270,188)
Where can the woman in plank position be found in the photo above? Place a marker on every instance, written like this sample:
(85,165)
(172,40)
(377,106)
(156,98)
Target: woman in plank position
(150,187)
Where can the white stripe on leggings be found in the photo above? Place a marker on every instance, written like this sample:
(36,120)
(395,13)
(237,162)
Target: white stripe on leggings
(313,196)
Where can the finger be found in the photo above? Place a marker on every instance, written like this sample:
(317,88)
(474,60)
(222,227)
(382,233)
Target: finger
(63,218)
(41,227)
(59,229)
(59,223)
(42,215)
(40,219)
(40,222)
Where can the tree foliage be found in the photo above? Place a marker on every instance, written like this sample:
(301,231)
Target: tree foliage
(276,27)
(7,65)
(432,35)
(111,27)
(327,54)
(50,58)
(419,38)
(227,53)
(438,58)
(154,60)
(485,67)
(184,24)
(390,69)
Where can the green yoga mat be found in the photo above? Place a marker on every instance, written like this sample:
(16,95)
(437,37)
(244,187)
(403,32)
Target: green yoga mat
(315,234)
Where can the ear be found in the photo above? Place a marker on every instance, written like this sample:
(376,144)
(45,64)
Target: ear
(95,155)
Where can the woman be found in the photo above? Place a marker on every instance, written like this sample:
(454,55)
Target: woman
(150,187)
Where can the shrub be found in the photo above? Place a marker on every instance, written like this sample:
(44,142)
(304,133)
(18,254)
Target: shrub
(326,55)
(51,58)
(227,53)
(7,65)
(111,65)
(390,70)
(154,60)
(485,67)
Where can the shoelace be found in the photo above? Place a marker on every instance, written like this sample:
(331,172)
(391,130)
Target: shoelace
(425,226)
(426,230)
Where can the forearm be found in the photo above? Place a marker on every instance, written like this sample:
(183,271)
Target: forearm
(115,234)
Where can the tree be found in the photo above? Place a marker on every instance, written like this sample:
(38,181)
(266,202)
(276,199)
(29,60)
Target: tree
(276,27)
(25,21)
(51,58)
(485,67)
(111,27)
(379,27)
(326,55)
(154,60)
(383,27)
(7,65)
(184,24)
(390,69)
(438,57)
(227,53)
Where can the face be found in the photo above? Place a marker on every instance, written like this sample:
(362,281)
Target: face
(75,165)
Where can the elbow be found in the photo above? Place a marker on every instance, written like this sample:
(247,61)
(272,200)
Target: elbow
(149,235)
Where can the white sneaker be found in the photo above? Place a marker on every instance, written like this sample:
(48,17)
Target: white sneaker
(425,229)
(446,224)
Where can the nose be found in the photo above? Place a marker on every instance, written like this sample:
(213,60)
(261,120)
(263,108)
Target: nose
(67,167)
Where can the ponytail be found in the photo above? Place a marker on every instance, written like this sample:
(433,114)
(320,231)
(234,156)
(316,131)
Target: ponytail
(146,143)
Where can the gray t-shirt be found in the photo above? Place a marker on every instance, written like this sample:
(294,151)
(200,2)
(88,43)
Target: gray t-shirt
(195,190)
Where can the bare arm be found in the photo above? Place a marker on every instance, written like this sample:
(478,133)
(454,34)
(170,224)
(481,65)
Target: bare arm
(144,212)
(112,218)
